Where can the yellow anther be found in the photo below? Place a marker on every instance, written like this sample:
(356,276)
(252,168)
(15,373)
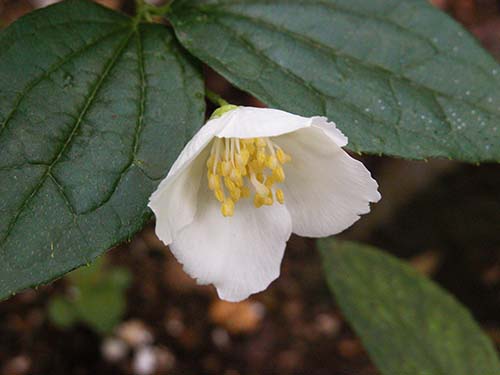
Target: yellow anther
(258,201)
(235,174)
(242,158)
(245,192)
(269,182)
(261,157)
(213,181)
(239,182)
(268,201)
(229,183)
(236,167)
(235,194)
(219,195)
(239,161)
(279,174)
(260,142)
(247,141)
(226,168)
(251,149)
(272,162)
(256,167)
(280,196)
(282,157)
(227,207)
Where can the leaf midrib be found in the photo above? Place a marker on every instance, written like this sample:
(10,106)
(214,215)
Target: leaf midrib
(101,78)
(138,127)
(34,82)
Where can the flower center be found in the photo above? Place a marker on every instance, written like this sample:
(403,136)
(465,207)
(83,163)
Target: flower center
(236,167)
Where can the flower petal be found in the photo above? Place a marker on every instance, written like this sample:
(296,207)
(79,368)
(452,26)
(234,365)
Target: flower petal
(194,147)
(325,189)
(240,255)
(252,122)
(175,203)
(175,200)
(330,130)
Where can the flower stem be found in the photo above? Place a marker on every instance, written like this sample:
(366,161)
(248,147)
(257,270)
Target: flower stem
(215,98)
(147,11)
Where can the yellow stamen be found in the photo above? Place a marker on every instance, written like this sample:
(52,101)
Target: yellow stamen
(268,201)
(219,195)
(282,157)
(269,182)
(280,197)
(245,192)
(226,168)
(257,201)
(227,208)
(279,174)
(235,174)
(272,162)
(213,181)
(261,157)
(235,194)
(238,167)
(260,142)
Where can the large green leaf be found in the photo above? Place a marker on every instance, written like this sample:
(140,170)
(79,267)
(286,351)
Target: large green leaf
(94,108)
(407,323)
(398,77)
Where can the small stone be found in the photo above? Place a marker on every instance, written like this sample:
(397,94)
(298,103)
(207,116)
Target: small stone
(328,325)
(220,337)
(241,317)
(114,349)
(427,263)
(491,275)
(145,362)
(350,348)
(134,333)
(165,360)
(174,327)
(19,365)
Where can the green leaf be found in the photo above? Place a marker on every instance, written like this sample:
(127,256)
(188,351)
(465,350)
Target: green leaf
(94,109)
(97,298)
(407,323)
(61,312)
(101,308)
(398,77)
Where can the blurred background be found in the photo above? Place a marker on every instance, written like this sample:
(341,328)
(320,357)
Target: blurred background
(135,311)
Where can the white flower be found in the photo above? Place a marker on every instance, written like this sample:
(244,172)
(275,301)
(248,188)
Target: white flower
(244,183)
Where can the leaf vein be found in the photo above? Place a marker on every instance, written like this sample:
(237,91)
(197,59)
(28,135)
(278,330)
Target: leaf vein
(107,69)
(317,44)
(33,83)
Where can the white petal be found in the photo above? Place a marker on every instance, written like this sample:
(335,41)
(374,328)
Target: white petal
(175,200)
(251,122)
(240,255)
(175,203)
(243,122)
(330,130)
(325,189)
(194,147)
